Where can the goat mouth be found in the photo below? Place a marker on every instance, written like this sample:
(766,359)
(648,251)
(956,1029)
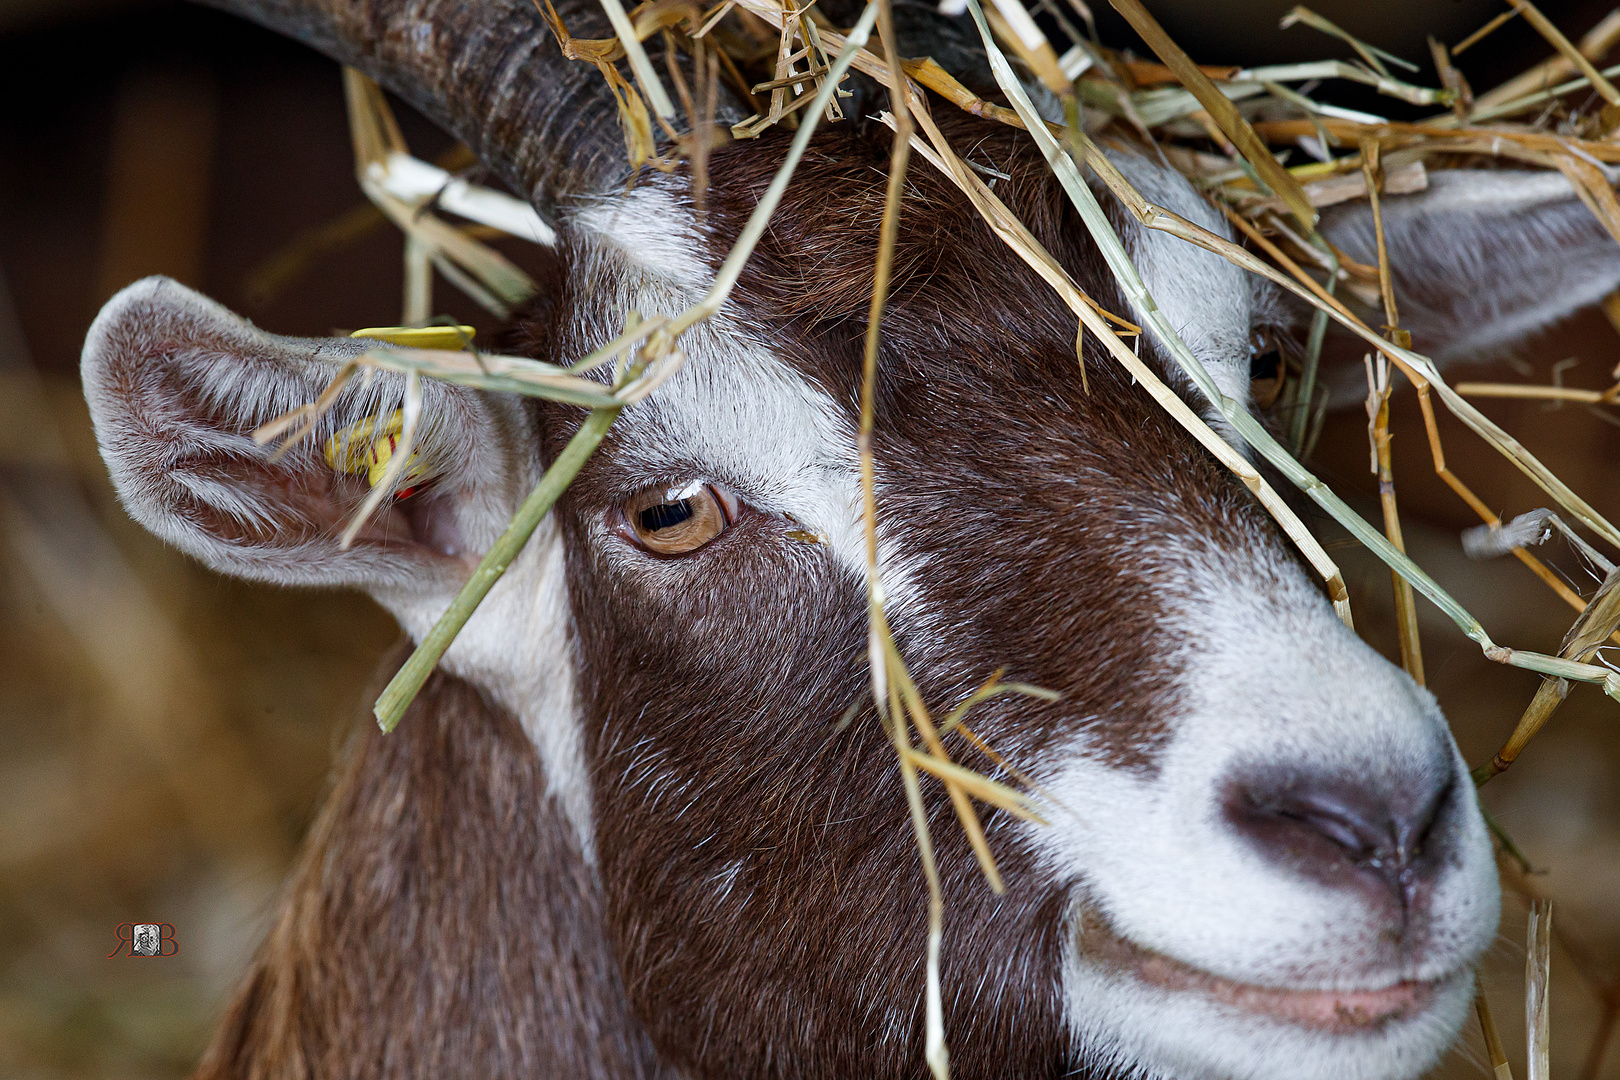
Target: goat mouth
(1336,1012)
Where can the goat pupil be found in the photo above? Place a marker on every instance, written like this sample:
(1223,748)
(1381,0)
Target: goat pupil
(1264,365)
(665,515)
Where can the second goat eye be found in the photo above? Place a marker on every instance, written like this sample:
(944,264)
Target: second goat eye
(677,521)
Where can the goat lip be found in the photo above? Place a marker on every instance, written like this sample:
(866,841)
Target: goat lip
(1337,1012)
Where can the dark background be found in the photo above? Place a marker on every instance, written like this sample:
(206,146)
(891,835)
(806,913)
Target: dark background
(165,733)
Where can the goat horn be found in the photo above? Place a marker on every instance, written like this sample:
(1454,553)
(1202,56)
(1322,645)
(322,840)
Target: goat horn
(490,73)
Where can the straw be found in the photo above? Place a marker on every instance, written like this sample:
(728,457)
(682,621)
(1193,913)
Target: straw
(1220,108)
(1537,1004)
(1373,56)
(1545,27)
(880,642)
(646,78)
(1406,624)
(1417,367)
(405,685)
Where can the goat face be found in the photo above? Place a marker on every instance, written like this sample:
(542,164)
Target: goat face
(1263,857)
(1263,851)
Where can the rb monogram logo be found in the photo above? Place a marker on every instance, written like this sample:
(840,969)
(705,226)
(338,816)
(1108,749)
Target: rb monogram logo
(146,939)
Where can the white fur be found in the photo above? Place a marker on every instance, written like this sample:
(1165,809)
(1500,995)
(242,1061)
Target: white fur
(1492,194)
(516,648)
(1277,679)
(1167,1036)
(1525,252)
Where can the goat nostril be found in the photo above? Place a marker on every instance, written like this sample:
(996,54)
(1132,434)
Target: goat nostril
(1338,829)
(1360,830)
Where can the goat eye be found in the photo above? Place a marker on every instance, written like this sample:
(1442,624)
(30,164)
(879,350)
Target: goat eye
(678,521)
(1264,365)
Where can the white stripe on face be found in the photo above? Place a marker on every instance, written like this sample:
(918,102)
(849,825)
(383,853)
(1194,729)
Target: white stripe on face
(784,445)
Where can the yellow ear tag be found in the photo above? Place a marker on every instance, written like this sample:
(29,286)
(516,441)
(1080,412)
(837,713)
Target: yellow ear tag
(366,447)
(420,337)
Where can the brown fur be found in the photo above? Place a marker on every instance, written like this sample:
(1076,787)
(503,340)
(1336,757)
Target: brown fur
(762,887)
(440,922)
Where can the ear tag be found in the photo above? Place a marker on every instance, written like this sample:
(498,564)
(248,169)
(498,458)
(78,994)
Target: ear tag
(420,337)
(368,445)
(365,447)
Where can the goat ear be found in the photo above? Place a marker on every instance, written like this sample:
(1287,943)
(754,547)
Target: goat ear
(176,386)
(1481,260)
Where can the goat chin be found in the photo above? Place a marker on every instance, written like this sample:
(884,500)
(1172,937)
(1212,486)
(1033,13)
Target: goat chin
(1192,1033)
(1168,1018)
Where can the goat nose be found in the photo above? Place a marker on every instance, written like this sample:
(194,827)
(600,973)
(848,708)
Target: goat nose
(1343,831)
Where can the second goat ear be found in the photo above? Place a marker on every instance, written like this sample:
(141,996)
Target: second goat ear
(1481,260)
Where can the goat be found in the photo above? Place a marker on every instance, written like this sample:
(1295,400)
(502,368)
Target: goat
(621,834)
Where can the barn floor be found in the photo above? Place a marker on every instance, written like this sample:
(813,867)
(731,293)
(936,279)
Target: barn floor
(165,733)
